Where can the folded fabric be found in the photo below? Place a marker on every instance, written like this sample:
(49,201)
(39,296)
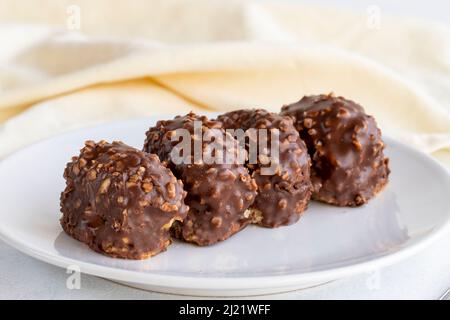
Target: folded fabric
(251,55)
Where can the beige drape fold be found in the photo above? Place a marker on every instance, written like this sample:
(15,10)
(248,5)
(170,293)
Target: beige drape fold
(137,58)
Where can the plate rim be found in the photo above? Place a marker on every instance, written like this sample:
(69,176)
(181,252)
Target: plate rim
(227,283)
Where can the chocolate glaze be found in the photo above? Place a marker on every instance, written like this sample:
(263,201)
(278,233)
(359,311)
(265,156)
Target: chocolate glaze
(282,196)
(218,194)
(346,148)
(120,201)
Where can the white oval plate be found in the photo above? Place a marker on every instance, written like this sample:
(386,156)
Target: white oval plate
(326,244)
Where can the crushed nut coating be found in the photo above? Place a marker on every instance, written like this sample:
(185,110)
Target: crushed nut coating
(284,195)
(119,200)
(346,148)
(216,196)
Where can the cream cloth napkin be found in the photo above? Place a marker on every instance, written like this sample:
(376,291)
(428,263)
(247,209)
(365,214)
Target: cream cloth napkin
(137,58)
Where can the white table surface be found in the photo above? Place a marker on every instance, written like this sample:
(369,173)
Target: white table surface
(424,276)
